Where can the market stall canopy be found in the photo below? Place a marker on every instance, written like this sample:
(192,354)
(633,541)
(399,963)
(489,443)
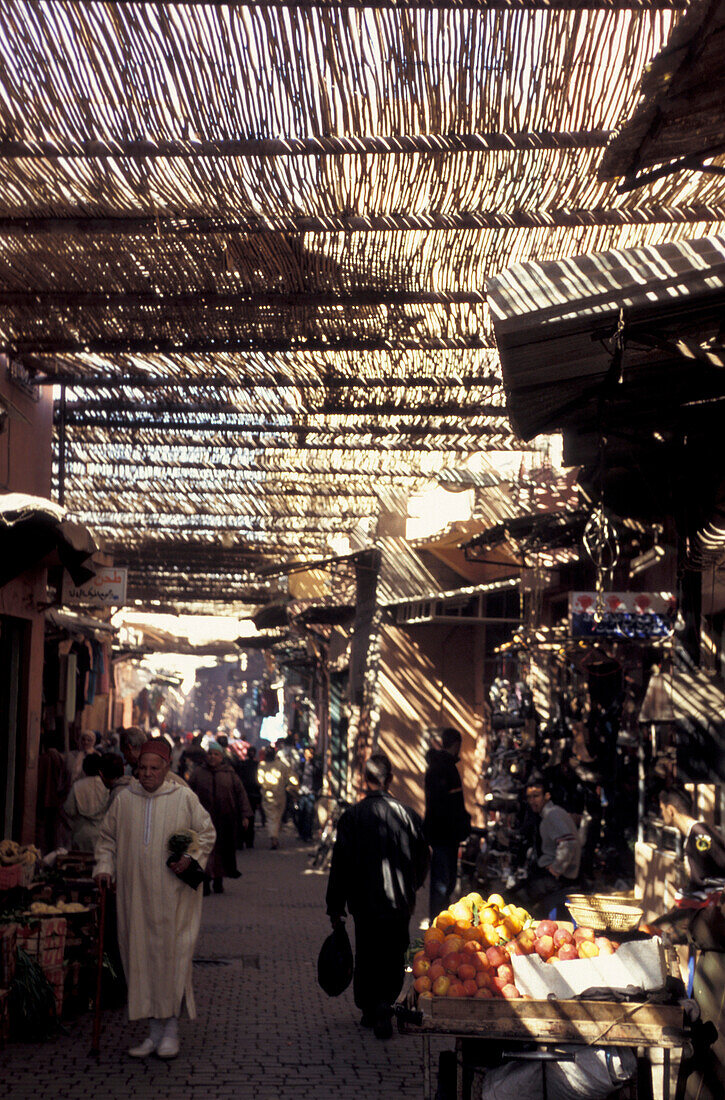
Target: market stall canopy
(250,242)
(679,120)
(625,346)
(33,531)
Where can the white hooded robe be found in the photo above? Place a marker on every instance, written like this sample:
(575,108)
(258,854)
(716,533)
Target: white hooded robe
(158,915)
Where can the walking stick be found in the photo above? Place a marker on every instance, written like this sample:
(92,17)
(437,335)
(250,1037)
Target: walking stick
(95,1045)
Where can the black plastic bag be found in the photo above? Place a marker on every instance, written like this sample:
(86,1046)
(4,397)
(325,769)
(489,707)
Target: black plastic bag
(334,963)
(192,876)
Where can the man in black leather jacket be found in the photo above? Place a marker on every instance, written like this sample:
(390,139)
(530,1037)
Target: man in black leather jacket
(379,861)
(447,821)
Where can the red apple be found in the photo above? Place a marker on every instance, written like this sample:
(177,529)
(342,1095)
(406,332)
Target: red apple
(513,947)
(544,947)
(606,947)
(505,972)
(496,957)
(499,984)
(567,952)
(510,992)
(584,934)
(546,928)
(562,936)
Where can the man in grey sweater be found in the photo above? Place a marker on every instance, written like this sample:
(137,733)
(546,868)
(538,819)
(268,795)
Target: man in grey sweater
(557,864)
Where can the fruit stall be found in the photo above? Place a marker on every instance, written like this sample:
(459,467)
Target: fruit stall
(530,997)
(48,941)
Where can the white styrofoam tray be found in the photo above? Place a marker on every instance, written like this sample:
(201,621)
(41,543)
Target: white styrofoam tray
(640,964)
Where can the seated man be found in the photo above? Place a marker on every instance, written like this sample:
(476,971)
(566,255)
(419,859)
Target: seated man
(557,864)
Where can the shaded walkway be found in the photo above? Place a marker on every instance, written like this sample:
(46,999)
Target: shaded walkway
(264,1029)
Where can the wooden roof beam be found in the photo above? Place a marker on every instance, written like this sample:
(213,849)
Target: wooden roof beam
(209,345)
(323,145)
(181,225)
(195,298)
(328,408)
(272,381)
(462,5)
(79,419)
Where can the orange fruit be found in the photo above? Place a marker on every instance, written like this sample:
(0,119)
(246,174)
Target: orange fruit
(421,965)
(489,936)
(437,970)
(484,994)
(497,900)
(432,949)
(456,989)
(444,921)
(461,927)
(470,988)
(471,947)
(422,984)
(453,961)
(482,980)
(474,899)
(433,934)
(489,915)
(467,972)
(425,996)
(441,986)
(460,910)
(471,935)
(453,943)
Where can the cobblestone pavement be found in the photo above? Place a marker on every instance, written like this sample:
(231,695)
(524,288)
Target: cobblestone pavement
(264,1029)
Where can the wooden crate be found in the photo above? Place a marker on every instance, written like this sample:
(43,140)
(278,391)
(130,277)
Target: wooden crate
(604,1023)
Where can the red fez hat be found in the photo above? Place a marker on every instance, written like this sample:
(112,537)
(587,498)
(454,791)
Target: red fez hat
(159,746)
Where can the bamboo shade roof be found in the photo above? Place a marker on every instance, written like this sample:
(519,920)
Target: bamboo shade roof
(250,244)
(678,121)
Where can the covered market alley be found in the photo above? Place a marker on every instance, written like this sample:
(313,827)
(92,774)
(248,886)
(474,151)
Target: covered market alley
(386,330)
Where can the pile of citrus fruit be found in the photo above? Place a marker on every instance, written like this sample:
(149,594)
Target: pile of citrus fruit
(464,952)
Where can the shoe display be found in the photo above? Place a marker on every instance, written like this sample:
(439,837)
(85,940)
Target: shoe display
(144,1049)
(168,1047)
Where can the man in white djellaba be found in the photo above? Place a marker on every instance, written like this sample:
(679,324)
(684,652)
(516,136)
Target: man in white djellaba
(158,913)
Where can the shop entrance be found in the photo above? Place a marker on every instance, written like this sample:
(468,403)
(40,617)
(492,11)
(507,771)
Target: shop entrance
(13,662)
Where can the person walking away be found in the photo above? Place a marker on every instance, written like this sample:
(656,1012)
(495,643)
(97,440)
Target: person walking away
(310,784)
(247,770)
(699,919)
(53,788)
(379,862)
(446,821)
(86,805)
(159,915)
(275,776)
(220,791)
(559,858)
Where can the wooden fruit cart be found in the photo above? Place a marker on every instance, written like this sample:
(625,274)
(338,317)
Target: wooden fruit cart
(660,1032)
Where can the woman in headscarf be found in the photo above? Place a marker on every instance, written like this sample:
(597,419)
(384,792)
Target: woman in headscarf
(220,791)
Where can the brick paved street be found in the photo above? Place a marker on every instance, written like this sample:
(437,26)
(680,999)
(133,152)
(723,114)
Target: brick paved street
(264,1029)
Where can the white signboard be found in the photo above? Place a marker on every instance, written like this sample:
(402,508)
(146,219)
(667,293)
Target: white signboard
(106,589)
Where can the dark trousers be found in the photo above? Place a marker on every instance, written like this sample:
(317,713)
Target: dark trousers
(443,873)
(546,895)
(380,946)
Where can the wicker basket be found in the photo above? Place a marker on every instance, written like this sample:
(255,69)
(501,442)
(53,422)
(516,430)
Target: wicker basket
(605,911)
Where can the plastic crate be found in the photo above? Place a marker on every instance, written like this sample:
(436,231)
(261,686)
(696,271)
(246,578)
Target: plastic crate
(44,940)
(8,954)
(11,876)
(55,977)
(4,1016)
